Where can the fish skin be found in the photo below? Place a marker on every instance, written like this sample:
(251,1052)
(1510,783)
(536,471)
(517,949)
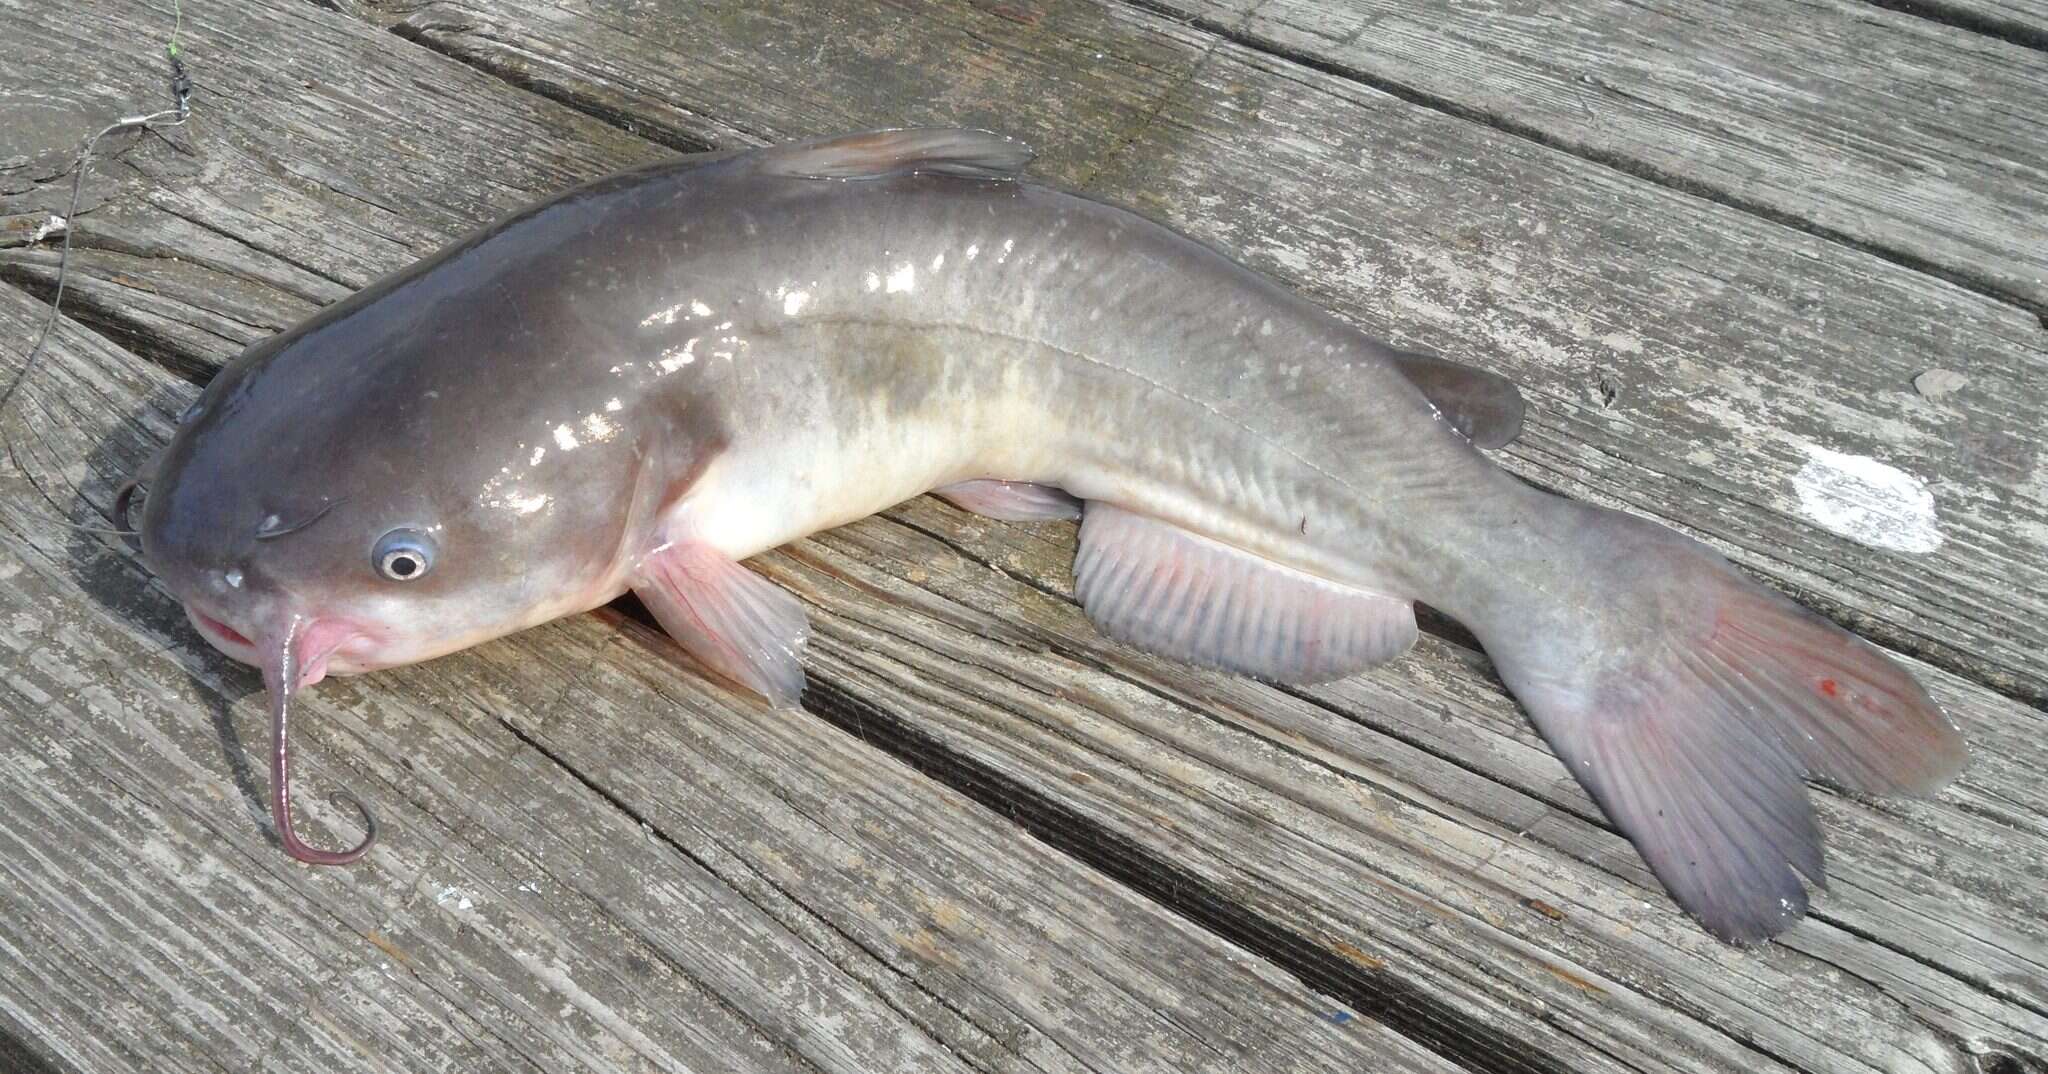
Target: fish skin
(722,354)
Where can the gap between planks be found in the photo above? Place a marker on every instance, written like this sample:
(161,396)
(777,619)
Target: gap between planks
(1962,16)
(601,117)
(1237,33)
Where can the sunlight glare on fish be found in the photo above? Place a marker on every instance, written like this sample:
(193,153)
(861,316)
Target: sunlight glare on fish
(669,314)
(675,358)
(662,316)
(734,345)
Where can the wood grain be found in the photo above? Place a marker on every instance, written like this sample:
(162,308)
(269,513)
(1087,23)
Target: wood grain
(1399,848)
(594,861)
(2022,22)
(1883,130)
(1687,360)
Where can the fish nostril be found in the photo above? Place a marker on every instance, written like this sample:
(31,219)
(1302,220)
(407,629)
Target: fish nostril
(233,577)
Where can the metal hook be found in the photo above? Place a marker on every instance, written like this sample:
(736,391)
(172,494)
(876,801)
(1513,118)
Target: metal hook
(282,674)
(124,498)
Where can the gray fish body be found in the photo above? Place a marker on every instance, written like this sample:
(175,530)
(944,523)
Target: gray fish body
(709,359)
(891,336)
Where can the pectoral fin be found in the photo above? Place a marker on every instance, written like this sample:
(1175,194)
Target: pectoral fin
(734,621)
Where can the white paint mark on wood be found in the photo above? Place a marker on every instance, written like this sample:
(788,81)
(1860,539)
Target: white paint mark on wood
(1936,383)
(1623,342)
(1867,501)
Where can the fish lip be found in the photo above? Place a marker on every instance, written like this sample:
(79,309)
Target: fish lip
(223,637)
(209,625)
(330,636)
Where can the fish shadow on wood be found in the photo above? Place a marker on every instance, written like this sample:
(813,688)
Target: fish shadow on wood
(110,571)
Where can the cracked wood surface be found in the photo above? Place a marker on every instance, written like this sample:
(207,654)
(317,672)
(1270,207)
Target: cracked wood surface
(995,842)
(1887,131)
(2020,21)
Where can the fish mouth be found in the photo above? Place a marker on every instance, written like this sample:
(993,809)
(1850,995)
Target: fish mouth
(224,637)
(214,628)
(331,645)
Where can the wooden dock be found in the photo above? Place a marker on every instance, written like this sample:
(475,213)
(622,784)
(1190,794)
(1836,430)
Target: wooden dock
(1721,247)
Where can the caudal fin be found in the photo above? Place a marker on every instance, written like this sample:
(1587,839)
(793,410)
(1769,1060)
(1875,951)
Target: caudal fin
(1693,703)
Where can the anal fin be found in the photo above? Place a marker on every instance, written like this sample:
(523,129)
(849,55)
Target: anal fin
(1178,594)
(736,622)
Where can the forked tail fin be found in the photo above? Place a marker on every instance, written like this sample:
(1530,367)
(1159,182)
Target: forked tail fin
(1693,703)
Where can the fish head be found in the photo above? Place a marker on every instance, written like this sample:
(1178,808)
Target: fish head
(467,448)
(349,512)
(254,549)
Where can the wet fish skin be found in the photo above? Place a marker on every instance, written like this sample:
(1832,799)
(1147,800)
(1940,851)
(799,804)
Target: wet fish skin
(643,382)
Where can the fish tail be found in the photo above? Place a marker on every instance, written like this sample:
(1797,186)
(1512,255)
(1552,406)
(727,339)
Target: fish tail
(1694,703)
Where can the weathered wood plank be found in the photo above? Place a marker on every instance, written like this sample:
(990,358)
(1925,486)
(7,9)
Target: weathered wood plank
(1245,733)
(1326,808)
(2022,22)
(1690,361)
(1892,132)
(707,890)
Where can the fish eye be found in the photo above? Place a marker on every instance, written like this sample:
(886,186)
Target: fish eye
(403,555)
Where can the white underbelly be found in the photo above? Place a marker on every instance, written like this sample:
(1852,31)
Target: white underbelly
(774,487)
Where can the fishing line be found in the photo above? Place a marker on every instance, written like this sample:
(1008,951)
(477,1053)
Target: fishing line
(181,96)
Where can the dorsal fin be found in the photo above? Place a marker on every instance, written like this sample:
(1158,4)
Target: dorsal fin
(972,154)
(1485,407)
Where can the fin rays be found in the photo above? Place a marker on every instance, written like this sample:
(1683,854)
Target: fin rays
(1196,600)
(1694,710)
(738,623)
